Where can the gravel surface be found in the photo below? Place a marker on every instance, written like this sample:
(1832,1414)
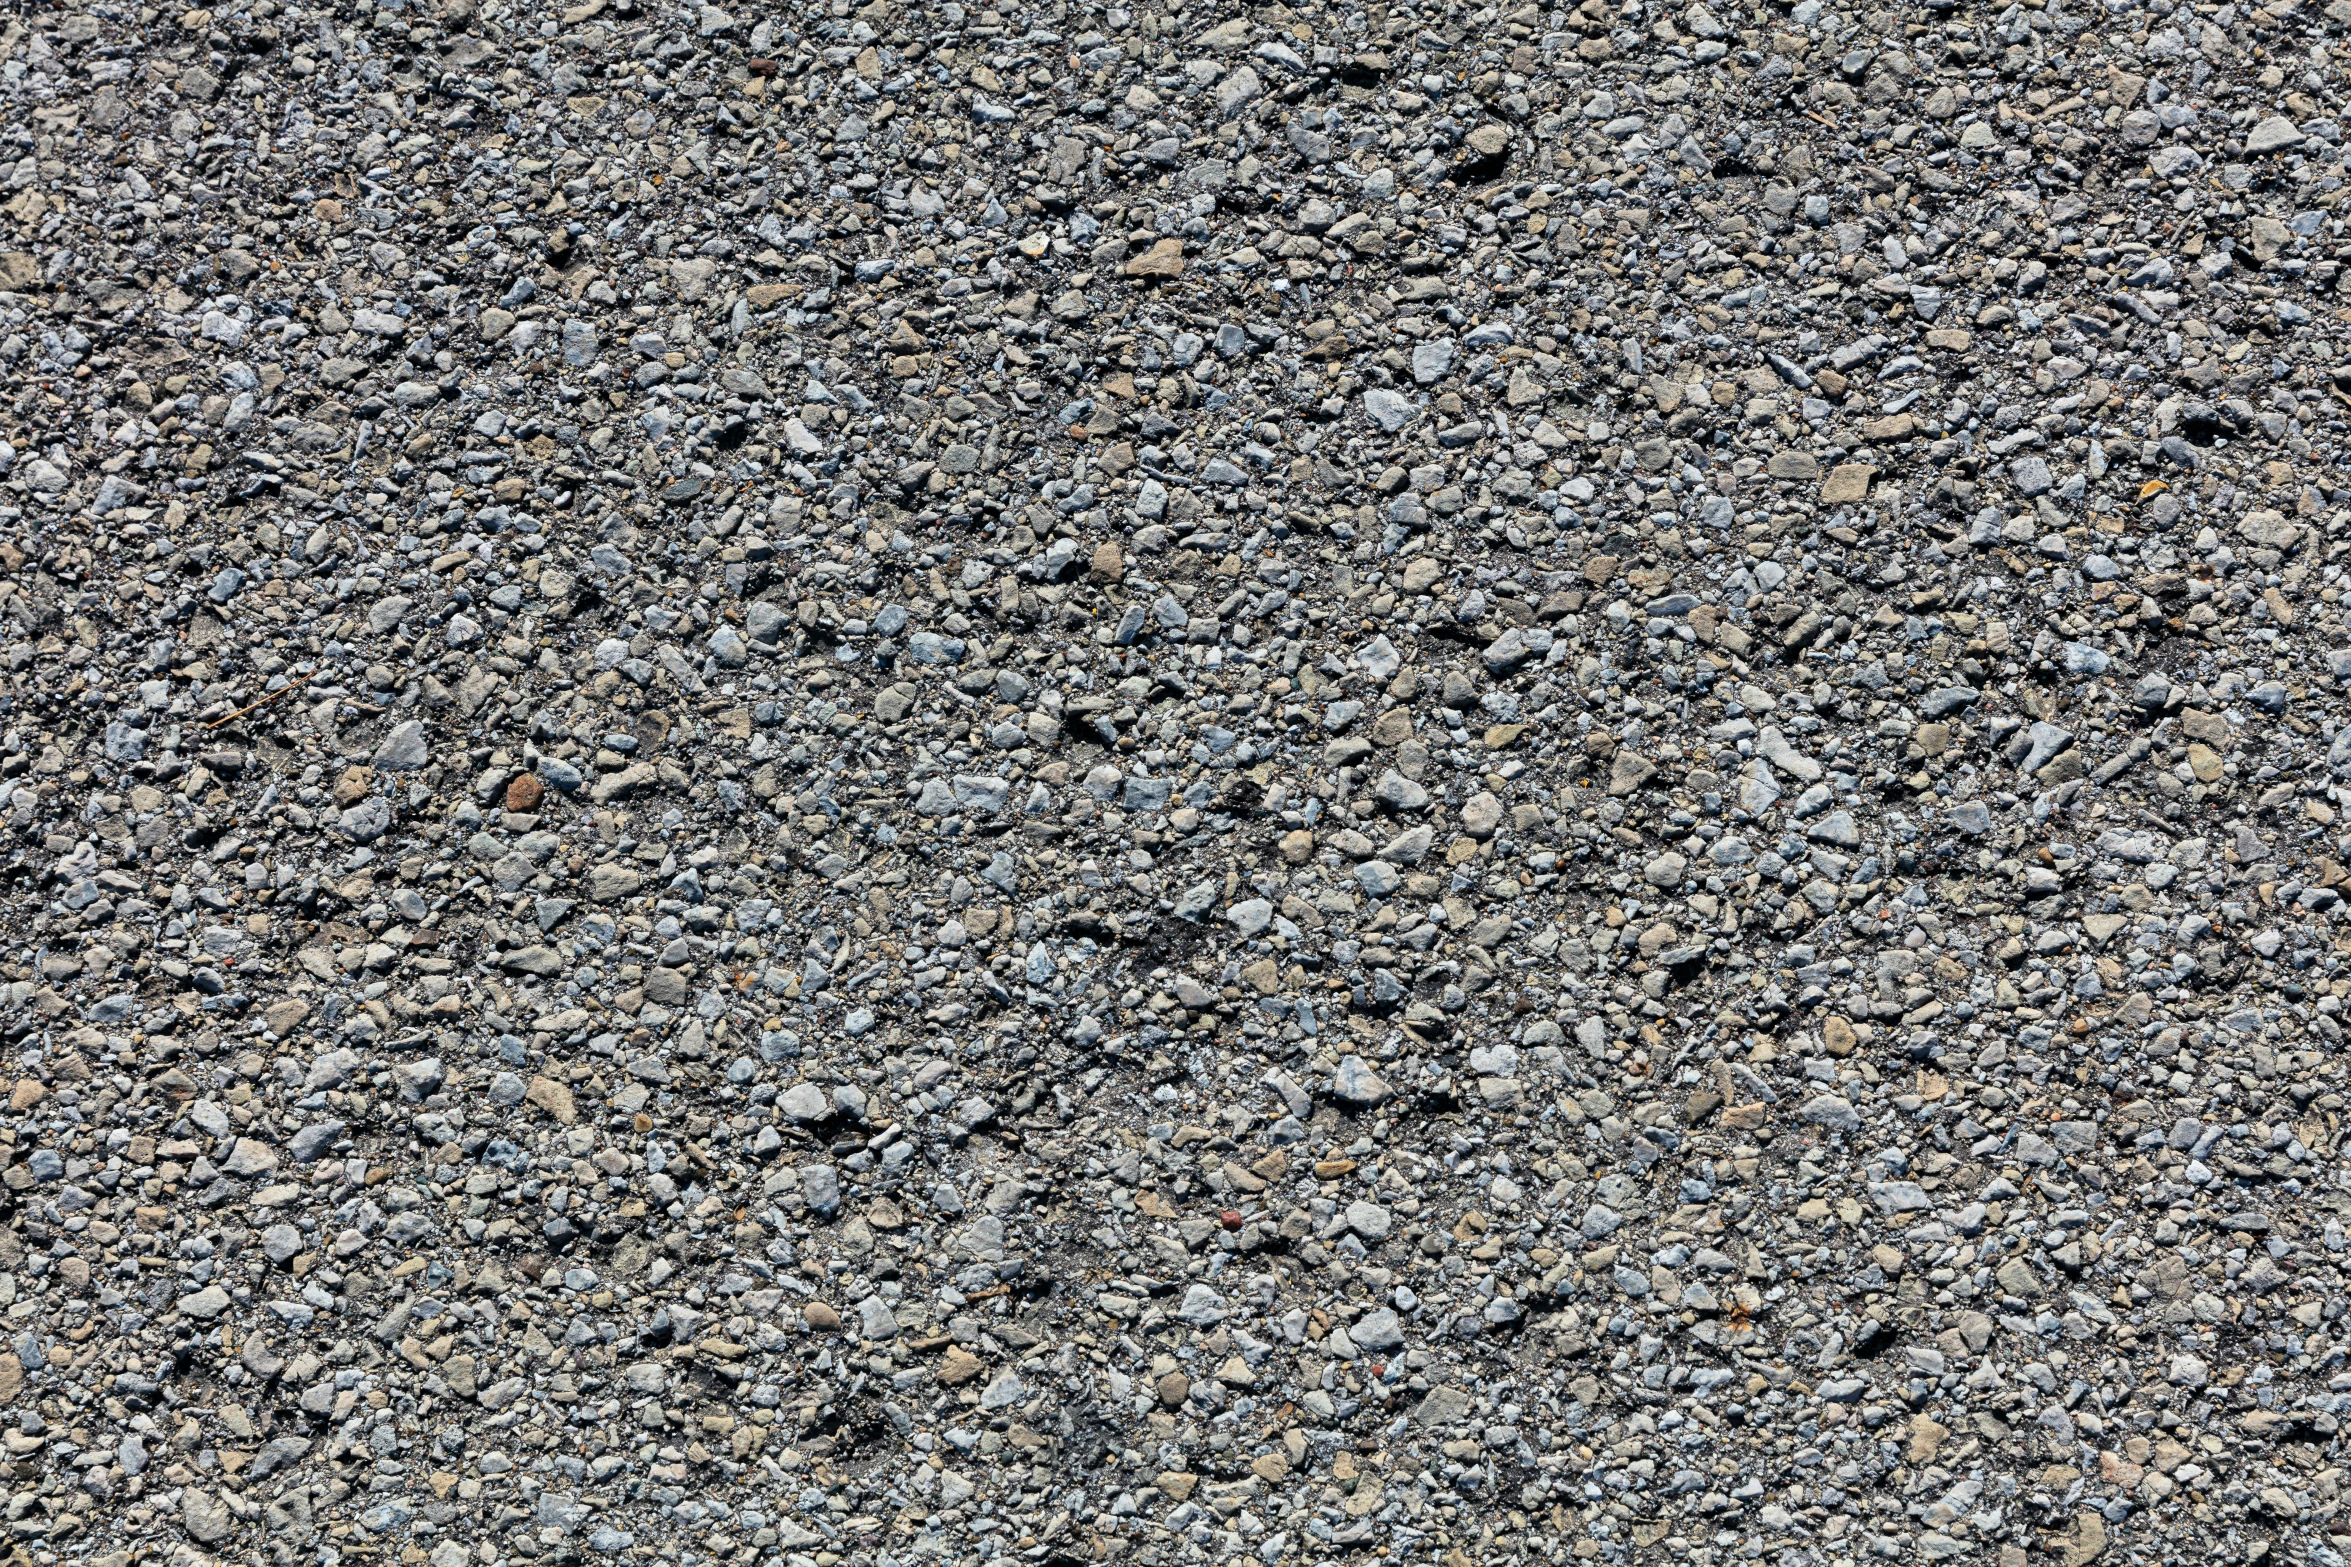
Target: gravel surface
(920,784)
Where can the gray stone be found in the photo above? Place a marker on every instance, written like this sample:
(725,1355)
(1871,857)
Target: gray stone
(1357,1086)
(1391,411)
(805,1103)
(1378,1331)
(820,1188)
(1831,1111)
(1201,1307)
(2274,134)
